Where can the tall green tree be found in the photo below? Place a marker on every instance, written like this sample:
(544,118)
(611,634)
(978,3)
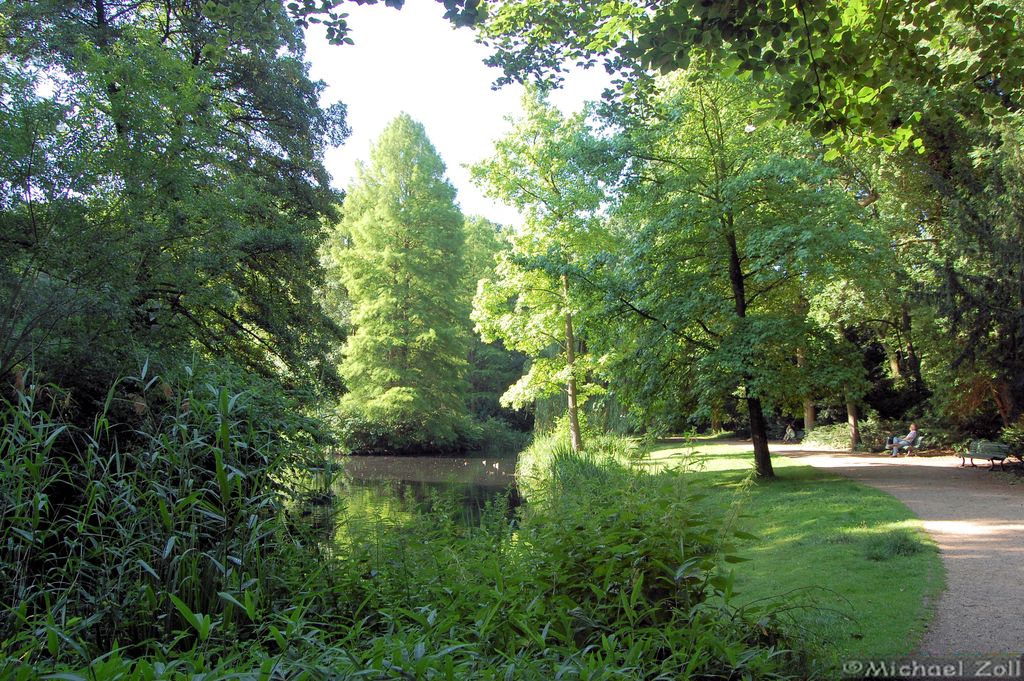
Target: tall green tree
(941,84)
(162,187)
(492,367)
(550,167)
(948,313)
(728,227)
(405,362)
(971,273)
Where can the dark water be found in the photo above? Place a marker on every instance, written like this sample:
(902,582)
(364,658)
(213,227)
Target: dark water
(388,486)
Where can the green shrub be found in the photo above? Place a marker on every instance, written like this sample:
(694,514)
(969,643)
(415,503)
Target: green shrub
(535,463)
(875,432)
(836,436)
(175,561)
(493,436)
(362,435)
(609,572)
(1013,435)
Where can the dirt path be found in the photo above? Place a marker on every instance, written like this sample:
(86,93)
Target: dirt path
(977,519)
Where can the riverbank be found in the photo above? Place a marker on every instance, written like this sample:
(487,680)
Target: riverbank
(608,572)
(621,565)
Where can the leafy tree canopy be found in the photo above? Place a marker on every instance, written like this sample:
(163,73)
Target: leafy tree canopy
(328,13)
(163,186)
(841,63)
(727,227)
(551,167)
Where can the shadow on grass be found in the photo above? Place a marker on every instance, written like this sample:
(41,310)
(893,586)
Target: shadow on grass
(852,561)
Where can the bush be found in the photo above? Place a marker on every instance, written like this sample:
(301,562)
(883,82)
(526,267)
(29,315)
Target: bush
(494,436)
(537,462)
(608,571)
(836,436)
(1013,435)
(391,436)
(874,434)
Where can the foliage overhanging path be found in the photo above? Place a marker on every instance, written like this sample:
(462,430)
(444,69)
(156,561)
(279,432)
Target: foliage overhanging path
(975,518)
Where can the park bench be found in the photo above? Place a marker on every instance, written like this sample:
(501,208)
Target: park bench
(911,447)
(986,449)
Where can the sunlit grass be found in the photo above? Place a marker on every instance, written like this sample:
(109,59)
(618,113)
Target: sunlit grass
(703,454)
(852,562)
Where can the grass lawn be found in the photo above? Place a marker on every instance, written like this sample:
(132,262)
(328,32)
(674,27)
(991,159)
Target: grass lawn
(852,561)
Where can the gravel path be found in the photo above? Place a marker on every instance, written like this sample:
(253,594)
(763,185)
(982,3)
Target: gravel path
(977,518)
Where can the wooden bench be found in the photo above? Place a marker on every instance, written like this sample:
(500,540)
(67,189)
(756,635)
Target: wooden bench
(986,449)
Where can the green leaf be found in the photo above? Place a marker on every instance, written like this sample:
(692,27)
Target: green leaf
(276,633)
(183,609)
(234,601)
(866,94)
(145,566)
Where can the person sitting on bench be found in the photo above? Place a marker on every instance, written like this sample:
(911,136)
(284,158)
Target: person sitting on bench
(790,435)
(898,443)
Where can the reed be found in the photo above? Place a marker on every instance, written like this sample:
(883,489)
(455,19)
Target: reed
(147,536)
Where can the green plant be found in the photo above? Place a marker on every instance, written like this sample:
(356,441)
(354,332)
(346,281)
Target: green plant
(608,572)
(810,559)
(892,544)
(157,534)
(1013,435)
(836,435)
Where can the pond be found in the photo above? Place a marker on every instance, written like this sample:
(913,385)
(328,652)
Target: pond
(369,481)
(370,489)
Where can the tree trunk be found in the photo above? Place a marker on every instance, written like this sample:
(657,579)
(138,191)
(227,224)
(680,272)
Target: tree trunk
(913,362)
(575,436)
(1004,402)
(894,361)
(809,420)
(851,418)
(716,419)
(759,438)
(758,430)
(808,402)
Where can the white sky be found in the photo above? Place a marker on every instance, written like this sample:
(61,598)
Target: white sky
(412,60)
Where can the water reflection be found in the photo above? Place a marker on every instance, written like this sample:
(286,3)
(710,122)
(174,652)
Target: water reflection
(360,491)
(384,485)
(478,472)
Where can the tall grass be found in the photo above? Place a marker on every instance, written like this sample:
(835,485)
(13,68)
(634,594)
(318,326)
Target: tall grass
(150,536)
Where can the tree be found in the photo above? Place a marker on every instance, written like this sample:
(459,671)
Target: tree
(841,63)
(549,167)
(492,368)
(930,84)
(306,12)
(728,225)
(405,362)
(947,312)
(969,242)
(162,188)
